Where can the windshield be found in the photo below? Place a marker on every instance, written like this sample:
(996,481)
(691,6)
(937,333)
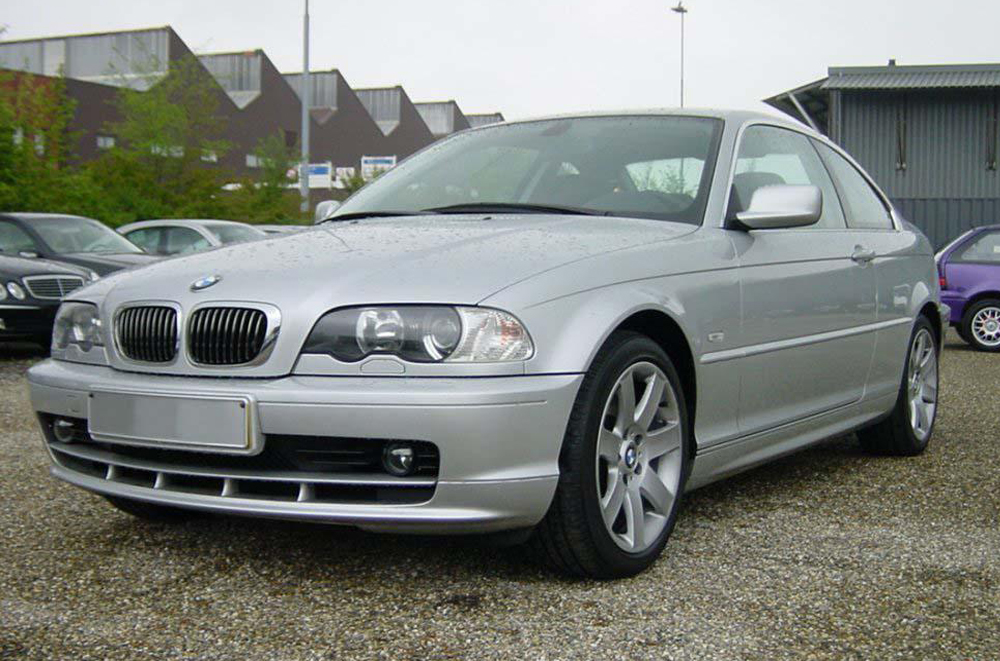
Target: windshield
(227,234)
(66,234)
(647,167)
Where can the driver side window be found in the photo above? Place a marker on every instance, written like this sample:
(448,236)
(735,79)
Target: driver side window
(771,156)
(147,239)
(14,240)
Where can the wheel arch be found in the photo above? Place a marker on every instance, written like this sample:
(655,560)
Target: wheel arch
(668,334)
(930,311)
(979,296)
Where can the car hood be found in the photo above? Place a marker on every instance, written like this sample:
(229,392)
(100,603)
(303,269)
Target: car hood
(105,263)
(453,259)
(18,267)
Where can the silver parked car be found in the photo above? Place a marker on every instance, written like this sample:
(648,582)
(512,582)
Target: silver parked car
(552,327)
(182,236)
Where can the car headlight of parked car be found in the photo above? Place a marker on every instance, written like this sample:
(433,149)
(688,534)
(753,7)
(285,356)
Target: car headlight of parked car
(422,334)
(15,290)
(79,324)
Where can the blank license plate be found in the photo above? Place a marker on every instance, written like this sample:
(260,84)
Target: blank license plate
(204,422)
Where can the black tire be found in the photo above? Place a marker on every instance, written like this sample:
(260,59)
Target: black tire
(151,511)
(572,538)
(966,328)
(962,334)
(895,435)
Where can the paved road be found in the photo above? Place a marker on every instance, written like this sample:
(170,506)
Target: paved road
(828,554)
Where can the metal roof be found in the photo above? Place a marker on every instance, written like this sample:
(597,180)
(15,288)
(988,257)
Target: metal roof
(484,119)
(894,77)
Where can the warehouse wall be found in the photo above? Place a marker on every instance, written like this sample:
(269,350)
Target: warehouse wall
(946,186)
(946,139)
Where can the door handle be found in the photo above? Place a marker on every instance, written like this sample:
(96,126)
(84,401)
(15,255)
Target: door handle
(862,255)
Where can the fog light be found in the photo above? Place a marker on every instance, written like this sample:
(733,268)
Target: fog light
(64,430)
(399,459)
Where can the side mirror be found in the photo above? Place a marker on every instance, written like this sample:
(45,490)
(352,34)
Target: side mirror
(325,209)
(782,206)
(28,254)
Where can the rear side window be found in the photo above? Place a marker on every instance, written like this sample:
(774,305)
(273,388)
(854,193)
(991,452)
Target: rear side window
(863,206)
(770,156)
(184,240)
(983,249)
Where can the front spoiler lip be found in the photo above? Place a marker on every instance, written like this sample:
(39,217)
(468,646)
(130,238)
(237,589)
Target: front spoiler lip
(417,518)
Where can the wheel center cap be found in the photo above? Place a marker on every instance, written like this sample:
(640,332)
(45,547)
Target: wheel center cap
(991,326)
(631,456)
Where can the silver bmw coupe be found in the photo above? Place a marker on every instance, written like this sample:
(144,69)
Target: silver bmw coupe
(550,328)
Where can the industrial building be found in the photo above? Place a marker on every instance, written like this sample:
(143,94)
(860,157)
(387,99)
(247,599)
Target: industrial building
(927,134)
(255,100)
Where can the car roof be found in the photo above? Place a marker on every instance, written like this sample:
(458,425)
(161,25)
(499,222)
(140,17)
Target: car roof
(180,222)
(28,216)
(736,116)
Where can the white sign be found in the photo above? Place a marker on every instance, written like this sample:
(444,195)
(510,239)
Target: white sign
(371,166)
(321,175)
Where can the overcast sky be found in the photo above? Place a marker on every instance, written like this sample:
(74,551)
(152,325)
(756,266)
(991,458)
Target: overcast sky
(533,57)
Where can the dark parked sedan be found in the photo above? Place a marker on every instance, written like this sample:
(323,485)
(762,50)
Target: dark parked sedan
(69,239)
(970,284)
(30,292)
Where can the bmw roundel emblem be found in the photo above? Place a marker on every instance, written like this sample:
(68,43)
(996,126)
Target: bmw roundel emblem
(205,283)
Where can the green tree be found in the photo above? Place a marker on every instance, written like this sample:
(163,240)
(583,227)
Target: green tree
(267,198)
(169,140)
(36,148)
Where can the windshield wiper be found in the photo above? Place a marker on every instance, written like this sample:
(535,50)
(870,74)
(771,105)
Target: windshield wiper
(356,215)
(512,207)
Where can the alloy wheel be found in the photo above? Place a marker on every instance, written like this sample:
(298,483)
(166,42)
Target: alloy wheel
(639,457)
(986,326)
(922,383)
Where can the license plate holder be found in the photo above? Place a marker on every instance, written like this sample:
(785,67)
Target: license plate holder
(196,422)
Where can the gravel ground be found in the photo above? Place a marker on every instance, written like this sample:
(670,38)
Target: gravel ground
(827,554)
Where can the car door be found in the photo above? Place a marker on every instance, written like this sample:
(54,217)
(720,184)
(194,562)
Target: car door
(805,303)
(891,255)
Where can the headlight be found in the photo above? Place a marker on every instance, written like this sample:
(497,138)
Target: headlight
(16,290)
(421,334)
(3,292)
(77,323)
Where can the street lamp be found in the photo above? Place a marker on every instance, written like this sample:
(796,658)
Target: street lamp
(681,9)
(304,166)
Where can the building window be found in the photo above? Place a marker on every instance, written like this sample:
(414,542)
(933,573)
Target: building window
(174,151)
(105,141)
(253,161)
(18,137)
(209,156)
(39,144)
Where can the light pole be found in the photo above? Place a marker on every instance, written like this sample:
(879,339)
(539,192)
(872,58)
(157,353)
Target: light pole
(304,166)
(681,9)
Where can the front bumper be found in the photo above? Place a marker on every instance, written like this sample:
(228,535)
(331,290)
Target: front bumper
(27,321)
(498,438)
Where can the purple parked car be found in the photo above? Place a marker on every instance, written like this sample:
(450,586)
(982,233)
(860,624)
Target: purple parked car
(969,268)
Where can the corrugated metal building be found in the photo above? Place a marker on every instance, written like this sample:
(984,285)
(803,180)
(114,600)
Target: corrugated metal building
(343,131)
(485,119)
(443,117)
(404,129)
(927,134)
(254,99)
